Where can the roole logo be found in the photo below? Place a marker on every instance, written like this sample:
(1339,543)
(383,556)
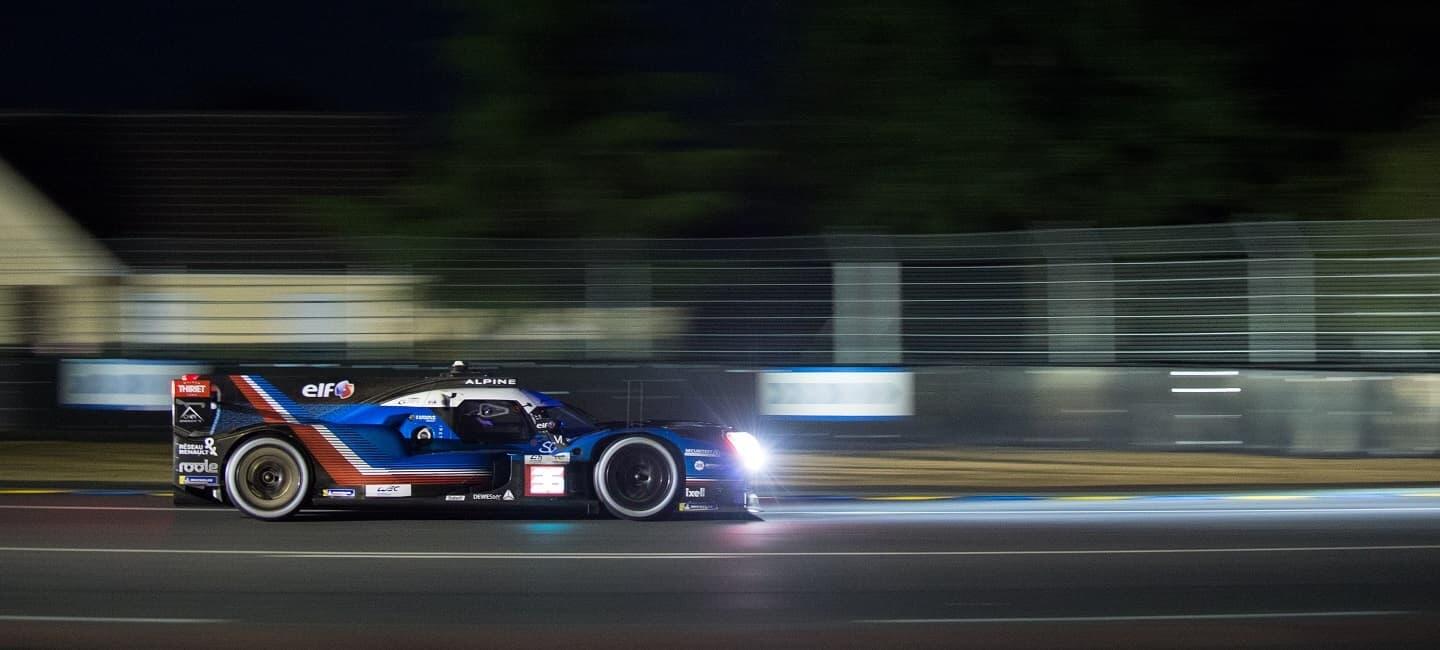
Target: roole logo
(342,389)
(197,467)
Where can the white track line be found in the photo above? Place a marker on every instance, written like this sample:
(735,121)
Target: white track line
(107,619)
(1082,511)
(416,555)
(1129,619)
(1078,511)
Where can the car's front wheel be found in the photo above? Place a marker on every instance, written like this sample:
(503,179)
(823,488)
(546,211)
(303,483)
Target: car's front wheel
(267,478)
(637,478)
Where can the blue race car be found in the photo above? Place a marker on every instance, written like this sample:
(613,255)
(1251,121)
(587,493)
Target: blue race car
(272,446)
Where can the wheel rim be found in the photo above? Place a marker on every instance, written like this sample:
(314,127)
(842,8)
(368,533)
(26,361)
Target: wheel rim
(269,478)
(638,478)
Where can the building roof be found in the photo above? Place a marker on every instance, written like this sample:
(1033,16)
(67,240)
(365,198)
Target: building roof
(145,177)
(41,244)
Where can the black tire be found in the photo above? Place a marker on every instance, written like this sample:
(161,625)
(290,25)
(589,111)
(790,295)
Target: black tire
(267,478)
(637,478)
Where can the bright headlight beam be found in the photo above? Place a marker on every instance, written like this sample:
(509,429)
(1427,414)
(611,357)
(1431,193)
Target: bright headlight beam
(751,453)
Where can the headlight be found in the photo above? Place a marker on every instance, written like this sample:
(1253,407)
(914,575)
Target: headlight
(748,448)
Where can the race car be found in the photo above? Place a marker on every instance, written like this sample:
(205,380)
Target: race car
(271,446)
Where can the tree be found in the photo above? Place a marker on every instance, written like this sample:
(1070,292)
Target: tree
(563,127)
(1401,175)
(957,116)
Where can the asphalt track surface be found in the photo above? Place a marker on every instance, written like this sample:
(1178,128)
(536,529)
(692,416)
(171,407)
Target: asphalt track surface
(1317,569)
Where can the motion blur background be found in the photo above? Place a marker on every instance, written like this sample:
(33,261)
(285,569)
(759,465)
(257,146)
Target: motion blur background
(848,225)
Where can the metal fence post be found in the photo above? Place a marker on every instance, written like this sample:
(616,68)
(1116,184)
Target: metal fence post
(612,286)
(866,299)
(1079,296)
(1280,278)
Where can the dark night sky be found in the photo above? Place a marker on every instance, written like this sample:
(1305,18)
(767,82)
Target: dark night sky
(1329,71)
(1336,65)
(356,55)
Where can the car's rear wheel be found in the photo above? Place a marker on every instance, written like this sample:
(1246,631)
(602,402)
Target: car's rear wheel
(267,478)
(637,478)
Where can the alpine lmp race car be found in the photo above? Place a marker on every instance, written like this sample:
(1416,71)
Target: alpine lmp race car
(272,446)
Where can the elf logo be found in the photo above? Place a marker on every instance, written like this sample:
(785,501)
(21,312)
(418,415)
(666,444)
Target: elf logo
(342,389)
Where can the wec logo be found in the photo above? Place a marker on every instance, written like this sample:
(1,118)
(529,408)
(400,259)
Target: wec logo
(342,389)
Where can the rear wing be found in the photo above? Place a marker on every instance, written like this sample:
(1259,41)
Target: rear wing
(194,405)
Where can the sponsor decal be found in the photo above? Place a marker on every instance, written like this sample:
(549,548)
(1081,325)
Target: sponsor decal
(702,452)
(487,496)
(699,465)
(210,481)
(509,496)
(342,389)
(557,459)
(423,418)
(197,467)
(346,465)
(837,393)
(697,507)
(544,481)
(394,490)
(191,388)
(189,415)
(491,381)
(205,448)
(454,497)
(695,493)
(338,493)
